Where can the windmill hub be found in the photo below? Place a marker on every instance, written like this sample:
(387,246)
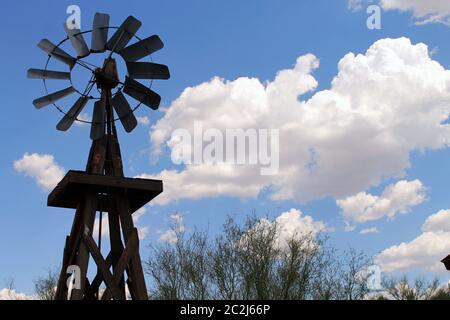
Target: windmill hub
(107,77)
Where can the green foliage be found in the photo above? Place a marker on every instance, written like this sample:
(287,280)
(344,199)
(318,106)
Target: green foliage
(247,262)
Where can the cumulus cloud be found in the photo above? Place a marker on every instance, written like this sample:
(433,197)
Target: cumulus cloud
(289,225)
(11,294)
(382,105)
(369,230)
(294,223)
(144,120)
(426,251)
(438,222)
(171,235)
(397,198)
(42,167)
(428,11)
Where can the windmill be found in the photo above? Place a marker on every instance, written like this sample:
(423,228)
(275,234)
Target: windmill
(102,187)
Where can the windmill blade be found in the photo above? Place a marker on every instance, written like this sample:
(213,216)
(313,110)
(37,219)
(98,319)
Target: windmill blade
(77,41)
(147,70)
(98,120)
(53,97)
(56,52)
(141,49)
(124,34)
(124,112)
(47,74)
(73,113)
(99,32)
(141,93)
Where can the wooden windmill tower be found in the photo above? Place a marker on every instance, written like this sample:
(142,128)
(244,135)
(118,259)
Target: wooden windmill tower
(102,187)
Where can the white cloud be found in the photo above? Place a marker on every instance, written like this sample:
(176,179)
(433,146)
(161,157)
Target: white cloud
(293,223)
(196,183)
(105,226)
(83,117)
(381,106)
(11,294)
(354,5)
(426,251)
(289,225)
(171,235)
(41,167)
(369,230)
(397,198)
(438,222)
(142,230)
(425,11)
(144,120)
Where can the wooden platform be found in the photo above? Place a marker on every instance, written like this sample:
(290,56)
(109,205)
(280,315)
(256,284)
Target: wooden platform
(77,183)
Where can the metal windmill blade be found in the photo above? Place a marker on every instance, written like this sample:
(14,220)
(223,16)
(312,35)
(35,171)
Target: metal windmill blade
(68,119)
(124,112)
(57,53)
(141,93)
(124,34)
(105,77)
(77,41)
(147,70)
(47,74)
(141,49)
(52,97)
(99,32)
(98,120)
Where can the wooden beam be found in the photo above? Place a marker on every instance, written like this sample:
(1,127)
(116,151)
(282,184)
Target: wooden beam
(82,258)
(116,245)
(136,272)
(128,253)
(61,288)
(89,294)
(101,264)
(97,155)
(98,279)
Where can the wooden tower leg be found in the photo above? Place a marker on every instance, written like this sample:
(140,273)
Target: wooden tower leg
(82,259)
(104,159)
(84,216)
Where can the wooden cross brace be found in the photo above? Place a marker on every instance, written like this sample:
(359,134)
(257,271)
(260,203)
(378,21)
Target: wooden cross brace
(111,280)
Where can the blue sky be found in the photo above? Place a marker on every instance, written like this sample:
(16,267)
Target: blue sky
(226,39)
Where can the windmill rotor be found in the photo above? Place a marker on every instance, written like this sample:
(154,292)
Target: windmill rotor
(106,77)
